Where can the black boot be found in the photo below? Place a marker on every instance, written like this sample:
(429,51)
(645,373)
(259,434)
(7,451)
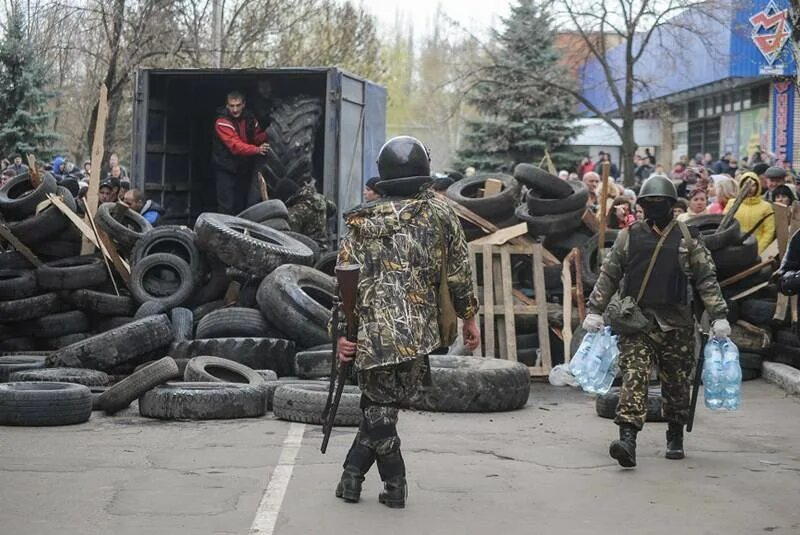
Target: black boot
(356,465)
(624,449)
(674,441)
(393,473)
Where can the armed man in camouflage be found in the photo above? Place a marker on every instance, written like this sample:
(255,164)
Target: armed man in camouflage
(399,241)
(308,210)
(666,301)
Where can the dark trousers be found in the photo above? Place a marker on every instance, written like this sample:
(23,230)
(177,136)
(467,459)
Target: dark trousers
(235,191)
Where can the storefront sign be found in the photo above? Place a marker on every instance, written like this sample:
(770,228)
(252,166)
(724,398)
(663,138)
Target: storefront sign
(770,31)
(782,120)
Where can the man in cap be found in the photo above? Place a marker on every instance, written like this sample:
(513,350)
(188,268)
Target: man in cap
(402,244)
(775,176)
(369,190)
(108,191)
(662,279)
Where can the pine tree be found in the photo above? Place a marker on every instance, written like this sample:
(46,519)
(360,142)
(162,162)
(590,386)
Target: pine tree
(24,118)
(519,118)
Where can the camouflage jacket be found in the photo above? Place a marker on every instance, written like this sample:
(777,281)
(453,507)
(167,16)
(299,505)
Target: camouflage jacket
(695,262)
(398,243)
(309,212)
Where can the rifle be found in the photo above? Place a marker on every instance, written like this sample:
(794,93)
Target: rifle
(736,204)
(698,307)
(347,280)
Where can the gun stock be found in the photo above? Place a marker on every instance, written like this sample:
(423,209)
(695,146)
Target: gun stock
(347,280)
(736,204)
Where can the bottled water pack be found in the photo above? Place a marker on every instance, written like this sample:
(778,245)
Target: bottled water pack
(594,365)
(722,375)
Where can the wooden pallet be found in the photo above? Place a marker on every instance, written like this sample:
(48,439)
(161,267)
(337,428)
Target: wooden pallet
(501,303)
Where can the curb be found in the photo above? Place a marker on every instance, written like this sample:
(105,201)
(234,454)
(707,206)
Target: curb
(784,376)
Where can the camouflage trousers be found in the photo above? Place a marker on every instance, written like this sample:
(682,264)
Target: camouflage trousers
(674,352)
(382,390)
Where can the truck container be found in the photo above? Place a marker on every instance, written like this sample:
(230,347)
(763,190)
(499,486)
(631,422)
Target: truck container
(174,113)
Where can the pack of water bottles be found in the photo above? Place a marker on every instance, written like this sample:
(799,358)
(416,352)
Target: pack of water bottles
(722,375)
(594,365)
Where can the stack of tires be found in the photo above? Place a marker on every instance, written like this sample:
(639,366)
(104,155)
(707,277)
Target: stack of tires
(497,208)
(551,206)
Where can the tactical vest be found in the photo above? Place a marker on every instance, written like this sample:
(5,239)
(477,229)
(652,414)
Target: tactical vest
(668,283)
(221,156)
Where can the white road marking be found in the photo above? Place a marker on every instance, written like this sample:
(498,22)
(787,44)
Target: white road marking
(270,506)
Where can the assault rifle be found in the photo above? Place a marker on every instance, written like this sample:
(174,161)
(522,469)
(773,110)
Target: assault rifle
(726,219)
(347,280)
(698,307)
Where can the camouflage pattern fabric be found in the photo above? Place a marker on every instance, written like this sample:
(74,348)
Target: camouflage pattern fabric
(674,353)
(309,212)
(695,261)
(398,244)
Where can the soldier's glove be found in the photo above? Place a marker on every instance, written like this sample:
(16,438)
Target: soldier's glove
(594,322)
(720,329)
(789,283)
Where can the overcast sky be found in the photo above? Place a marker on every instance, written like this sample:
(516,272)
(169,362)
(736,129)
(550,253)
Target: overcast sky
(476,15)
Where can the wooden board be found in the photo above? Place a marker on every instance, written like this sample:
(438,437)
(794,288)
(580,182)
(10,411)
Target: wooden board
(544,336)
(6,233)
(98,142)
(503,235)
(492,186)
(566,281)
(750,291)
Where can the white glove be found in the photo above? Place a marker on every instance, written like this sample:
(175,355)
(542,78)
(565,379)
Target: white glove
(719,329)
(594,322)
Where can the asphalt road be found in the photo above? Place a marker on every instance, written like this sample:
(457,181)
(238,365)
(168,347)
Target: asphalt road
(544,469)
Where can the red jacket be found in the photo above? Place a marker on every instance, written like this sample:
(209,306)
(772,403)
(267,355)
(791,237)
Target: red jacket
(236,138)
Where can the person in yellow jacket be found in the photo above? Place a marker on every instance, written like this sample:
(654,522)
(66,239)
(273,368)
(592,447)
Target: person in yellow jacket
(755,215)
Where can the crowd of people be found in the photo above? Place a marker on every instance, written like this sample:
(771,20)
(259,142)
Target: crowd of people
(115,182)
(704,186)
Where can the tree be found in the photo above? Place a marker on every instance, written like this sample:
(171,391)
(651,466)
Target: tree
(617,37)
(520,121)
(24,117)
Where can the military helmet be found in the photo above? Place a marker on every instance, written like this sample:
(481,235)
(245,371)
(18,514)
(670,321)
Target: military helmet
(658,186)
(402,157)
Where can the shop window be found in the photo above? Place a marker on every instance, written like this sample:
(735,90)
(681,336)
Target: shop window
(759,96)
(709,107)
(737,104)
(717,105)
(726,103)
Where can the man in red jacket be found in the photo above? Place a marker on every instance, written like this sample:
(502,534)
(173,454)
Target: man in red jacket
(237,141)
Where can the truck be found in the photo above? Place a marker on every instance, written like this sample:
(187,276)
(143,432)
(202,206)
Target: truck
(173,124)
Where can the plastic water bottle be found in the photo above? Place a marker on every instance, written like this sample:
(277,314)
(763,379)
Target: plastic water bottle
(713,387)
(732,376)
(609,365)
(577,365)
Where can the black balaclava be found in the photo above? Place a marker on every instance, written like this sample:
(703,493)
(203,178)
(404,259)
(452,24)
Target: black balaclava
(657,210)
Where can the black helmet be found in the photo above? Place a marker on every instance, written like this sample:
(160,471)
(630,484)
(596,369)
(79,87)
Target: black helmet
(658,186)
(403,157)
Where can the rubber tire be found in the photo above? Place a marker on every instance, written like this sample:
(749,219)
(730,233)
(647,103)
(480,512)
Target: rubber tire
(125,233)
(258,253)
(182,323)
(72,273)
(17,284)
(499,206)
(15,363)
(232,323)
(308,242)
(736,258)
(58,324)
(44,404)
(256,353)
(750,361)
(213,284)
(56,249)
(102,303)
(205,309)
(277,224)
(172,239)
(269,209)
(327,263)
(46,224)
(118,346)
(122,394)
(751,342)
(149,308)
(286,304)
(714,241)
(202,401)
(785,354)
(473,384)
(606,404)
(13,260)
(749,374)
(759,312)
(58,342)
(539,205)
(313,364)
(550,224)
(18,198)
(79,376)
(30,307)
(306,402)
(219,370)
(589,271)
(186,286)
(787,337)
(536,178)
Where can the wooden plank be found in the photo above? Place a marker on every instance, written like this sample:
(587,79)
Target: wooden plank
(793,308)
(120,265)
(770,252)
(499,319)
(97,162)
(501,236)
(579,285)
(539,289)
(781,227)
(508,305)
(488,301)
(472,264)
(6,233)
(794,218)
(105,257)
(781,307)
(749,291)
(566,281)
(733,279)
(492,186)
(601,232)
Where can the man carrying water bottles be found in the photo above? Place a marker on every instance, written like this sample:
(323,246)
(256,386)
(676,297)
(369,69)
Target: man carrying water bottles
(646,289)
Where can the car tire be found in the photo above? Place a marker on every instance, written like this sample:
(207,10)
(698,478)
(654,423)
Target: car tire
(122,394)
(202,401)
(44,404)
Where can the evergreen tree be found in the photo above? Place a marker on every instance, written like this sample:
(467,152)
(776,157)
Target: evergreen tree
(24,118)
(520,118)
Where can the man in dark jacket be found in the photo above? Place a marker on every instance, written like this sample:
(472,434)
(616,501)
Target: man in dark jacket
(238,138)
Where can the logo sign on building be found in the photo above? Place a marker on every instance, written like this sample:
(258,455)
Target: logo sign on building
(770,32)
(782,120)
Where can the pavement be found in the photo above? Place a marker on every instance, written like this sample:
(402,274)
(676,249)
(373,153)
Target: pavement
(543,469)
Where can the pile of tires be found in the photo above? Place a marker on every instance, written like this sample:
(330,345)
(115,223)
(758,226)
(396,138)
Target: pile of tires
(551,205)
(497,208)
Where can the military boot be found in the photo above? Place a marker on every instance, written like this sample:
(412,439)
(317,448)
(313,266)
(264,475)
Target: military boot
(624,449)
(393,473)
(674,441)
(356,465)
